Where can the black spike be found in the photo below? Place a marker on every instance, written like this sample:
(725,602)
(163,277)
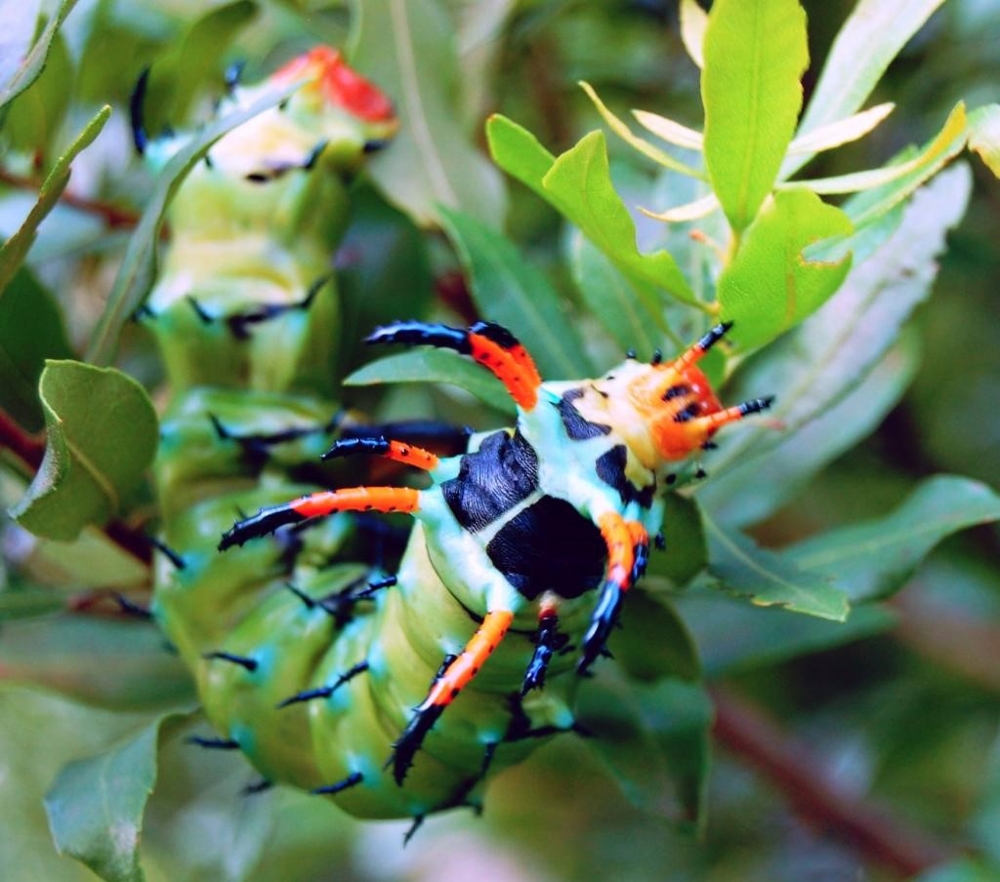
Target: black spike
(212,743)
(630,355)
(325,691)
(173,556)
(315,154)
(243,661)
(349,446)
(136,106)
(756,405)
(200,311)
(714,336)
(233,74)
(660,541)
(256,787)
(307,601)
(418,822)
(130,607)
(657,357)
(351,780)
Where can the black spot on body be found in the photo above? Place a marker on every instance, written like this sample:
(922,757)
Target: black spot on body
(611,469)
(578,427)
(492,480)
(549,546)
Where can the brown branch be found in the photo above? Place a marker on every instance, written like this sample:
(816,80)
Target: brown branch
(112,215)
(791,768)
(26,447)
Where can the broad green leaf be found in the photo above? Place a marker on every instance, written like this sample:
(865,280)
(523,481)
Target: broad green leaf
(694,21)
(752,490)
(618,304)
(509,290)
(578,184)
(118,664)
(13,251)
(33,61)
(889,186)
(408,48)
(653,641)
(768,578)
(734,637)
(26,304)
(769,286)
(755,55)
(984,135)
(670,131)
(633,140)
(874,559)
(842,131)
(435,366)
(138,268)
(96,805)
(654,738)
(102,435)
(686,552)
(28,603)
(869,40)
(821,361)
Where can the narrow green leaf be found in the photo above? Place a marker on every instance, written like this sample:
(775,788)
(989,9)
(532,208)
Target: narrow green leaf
(578,184)
(694,21)
(634,141)
(755,55)
(28,603)
(768,578)
(509,290)
(26,304)
(96,805)
(102,435)
(961,870)
(617,303)
(13,251)
(32,63)
(984,135)
(435,366)
(821,361)
(20,25)
(689,211)
(869,40)
(769,286)
(138,269)
(408,48)
(874,559)
(842,131)
(670,131)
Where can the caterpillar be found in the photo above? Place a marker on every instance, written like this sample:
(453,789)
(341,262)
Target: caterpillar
(523,550)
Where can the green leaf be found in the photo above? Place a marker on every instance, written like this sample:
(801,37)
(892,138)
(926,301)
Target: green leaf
(13,251)
(686,554)
(755,55)
(110,663)
(435,366)
(874,559)
(842,131)
(34,120)
(578,184)
(694,21)
(768,578)
(26,304)
(984,135)
(670,131)
(769,286)
(734,637)
(961,870)
(754,489)
(138,268)
(509,290)
(102,435)
(653,641)
(28,603)
(33,61)
(408,48)
(618,304)
(20,26)
(96,805)
(822,360)
(869,40)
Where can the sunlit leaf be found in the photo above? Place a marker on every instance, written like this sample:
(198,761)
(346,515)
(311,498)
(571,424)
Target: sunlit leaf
(755,55)
(842,131)
(769,286)
(984,135)
(408,48)
(511,291)
(693,24)
(102,435)
(874,559)
(670,131)
(688,212)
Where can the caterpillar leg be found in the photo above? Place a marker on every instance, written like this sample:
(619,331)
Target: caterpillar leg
(455,676)
(267,520)
(490,344)
(628,554)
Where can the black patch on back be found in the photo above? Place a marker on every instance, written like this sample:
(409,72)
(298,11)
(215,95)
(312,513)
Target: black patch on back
(492,480)
(578,428)
(611,470)
(549,546)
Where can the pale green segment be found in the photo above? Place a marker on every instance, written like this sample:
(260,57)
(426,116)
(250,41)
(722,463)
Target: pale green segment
(984,135)
(869,40)
(768,578)
(755,55)
(578,184)
(770,287)
(873,559)
(694,21)
(408,47)
(88,468)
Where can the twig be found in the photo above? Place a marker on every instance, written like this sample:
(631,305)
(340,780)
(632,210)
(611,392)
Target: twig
(113,216)
(792,769)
